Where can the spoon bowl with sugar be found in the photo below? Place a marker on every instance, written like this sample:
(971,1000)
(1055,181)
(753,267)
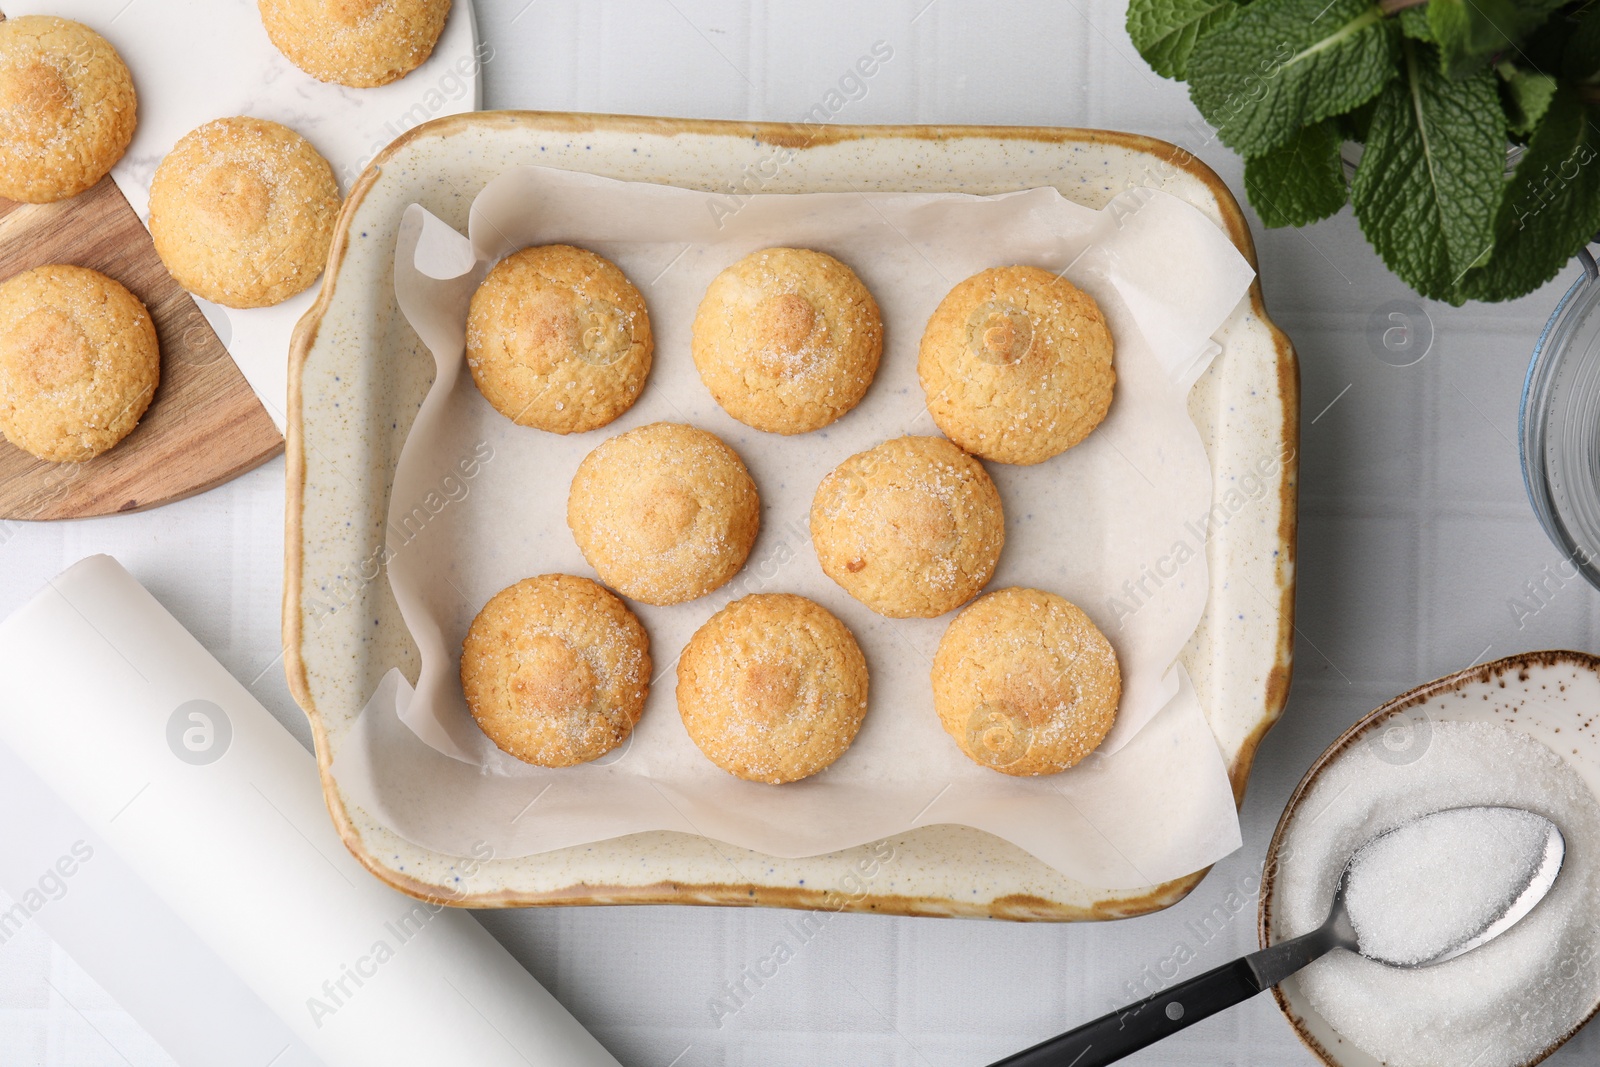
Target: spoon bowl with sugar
(1491,865)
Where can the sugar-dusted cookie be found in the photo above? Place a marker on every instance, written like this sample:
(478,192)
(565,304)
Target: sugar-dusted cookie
(912,527)
(1016,364)
(772,688)
(556,670)
(1025,683)
(558,339)
(665,513)
(360,43)
(67,108)
(787,340)
(242,212)
(78,362)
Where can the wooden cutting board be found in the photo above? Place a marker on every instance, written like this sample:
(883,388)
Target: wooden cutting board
(204,425)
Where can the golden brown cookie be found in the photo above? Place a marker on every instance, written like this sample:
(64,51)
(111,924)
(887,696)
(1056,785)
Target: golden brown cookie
(1025,683)
(787,340)
(1016,363)
(67,108)
(910,528)
(242,212)
(558,339)
(78,362)
(360,43)
(772,688)
(556,670)
(665,513)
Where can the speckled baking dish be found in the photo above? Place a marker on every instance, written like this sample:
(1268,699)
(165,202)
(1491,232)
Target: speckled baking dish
(357,374)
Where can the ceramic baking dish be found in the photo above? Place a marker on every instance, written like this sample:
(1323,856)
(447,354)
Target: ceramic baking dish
(357,374)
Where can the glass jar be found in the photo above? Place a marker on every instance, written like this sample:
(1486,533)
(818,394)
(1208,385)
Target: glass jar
(1559,426)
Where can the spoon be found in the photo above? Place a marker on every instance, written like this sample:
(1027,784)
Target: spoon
(1111,1037)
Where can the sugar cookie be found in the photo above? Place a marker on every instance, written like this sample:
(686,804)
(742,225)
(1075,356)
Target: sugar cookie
(242,211)
(79,362)
(665,513)
(67,108)
(773,688)
(787,340)
(558,339)
(1025,682)
(556,670)
(360,43)
(1016,363)
(912,527)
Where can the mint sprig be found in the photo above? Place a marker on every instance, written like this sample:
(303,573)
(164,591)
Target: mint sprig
(1551,206)
(1527,95)
(1300,181)
(1436,92)
(1431,178)
(1470,32)
(1165,31)
(1283,64)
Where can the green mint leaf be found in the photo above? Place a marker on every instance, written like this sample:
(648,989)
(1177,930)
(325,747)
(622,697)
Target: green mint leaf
(1355,124)
(1551,207)
(1300,181)
(1580,55)
(1414,24)
(1432,175)
(1469,32)
(1541,49)
(1282,64)
(1528,95)
(1165,31)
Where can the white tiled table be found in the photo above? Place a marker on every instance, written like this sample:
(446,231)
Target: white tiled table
(1415,538)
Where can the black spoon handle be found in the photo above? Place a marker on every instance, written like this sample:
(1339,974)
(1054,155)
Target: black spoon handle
(1122,1033)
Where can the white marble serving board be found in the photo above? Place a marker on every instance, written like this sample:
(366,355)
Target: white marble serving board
(198,60)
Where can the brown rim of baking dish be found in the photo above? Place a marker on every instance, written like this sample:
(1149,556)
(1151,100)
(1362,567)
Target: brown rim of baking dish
(1484,672)
(799,136)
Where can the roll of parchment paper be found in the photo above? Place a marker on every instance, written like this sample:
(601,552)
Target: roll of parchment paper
(218,810)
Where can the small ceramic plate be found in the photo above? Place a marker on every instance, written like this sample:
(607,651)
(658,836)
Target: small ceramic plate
(357,374)
(1551,696)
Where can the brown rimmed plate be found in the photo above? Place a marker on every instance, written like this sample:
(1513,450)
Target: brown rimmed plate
(1550,696)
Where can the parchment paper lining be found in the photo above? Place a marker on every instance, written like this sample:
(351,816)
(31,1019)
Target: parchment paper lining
(479,503)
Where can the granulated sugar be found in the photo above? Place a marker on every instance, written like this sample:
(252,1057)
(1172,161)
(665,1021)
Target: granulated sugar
(1428,886)
(1499,1005)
